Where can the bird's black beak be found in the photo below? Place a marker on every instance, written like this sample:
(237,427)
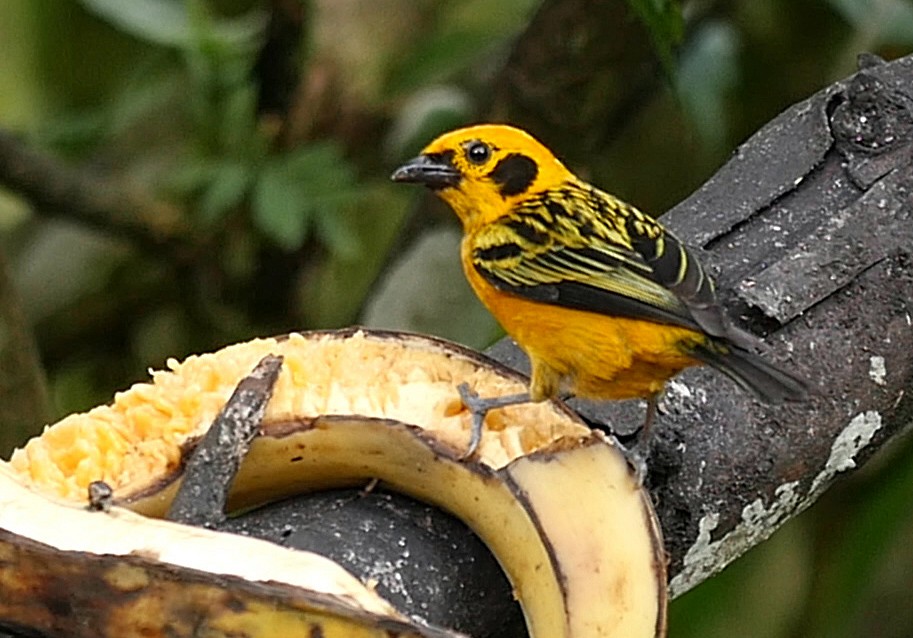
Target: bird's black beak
(434,171)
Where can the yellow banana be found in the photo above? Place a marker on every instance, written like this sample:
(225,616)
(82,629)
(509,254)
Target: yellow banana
(557,504)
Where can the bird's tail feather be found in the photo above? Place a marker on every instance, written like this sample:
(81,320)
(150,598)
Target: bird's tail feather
(765,380)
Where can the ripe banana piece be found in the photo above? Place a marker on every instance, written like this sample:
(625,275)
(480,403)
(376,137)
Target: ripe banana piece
(556,502)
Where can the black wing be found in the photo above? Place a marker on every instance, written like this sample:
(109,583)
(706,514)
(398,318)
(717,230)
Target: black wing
(584,249)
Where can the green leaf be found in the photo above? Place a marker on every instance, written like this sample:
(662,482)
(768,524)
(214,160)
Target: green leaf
(191,175)
(336,232)
(666,25)
(225,192)
(239,122)
(149,90)
(168,22)
(278,205)
(159,21)
(76,132)
(312,183)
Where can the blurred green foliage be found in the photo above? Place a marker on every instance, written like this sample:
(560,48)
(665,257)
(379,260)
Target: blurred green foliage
(666,25)
(273,126)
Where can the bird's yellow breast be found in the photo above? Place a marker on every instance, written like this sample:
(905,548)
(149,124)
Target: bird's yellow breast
(598,356)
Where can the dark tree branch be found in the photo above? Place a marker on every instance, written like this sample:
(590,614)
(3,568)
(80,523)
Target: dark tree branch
(809,231)
(57,190)
(279,62)
(577,73)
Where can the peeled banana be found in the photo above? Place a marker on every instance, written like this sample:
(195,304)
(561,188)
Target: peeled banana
(557,503)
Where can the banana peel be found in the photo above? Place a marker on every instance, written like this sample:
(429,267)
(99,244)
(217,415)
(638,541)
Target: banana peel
(66,571)
(557,503)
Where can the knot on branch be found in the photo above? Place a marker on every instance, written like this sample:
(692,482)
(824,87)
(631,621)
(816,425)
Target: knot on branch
(871,124)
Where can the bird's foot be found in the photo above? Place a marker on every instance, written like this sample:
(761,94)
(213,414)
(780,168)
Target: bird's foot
(479,407)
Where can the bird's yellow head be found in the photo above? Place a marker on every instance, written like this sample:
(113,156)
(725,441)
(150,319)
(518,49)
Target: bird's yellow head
(481,171)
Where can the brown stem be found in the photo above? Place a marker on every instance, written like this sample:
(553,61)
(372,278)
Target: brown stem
(58,190)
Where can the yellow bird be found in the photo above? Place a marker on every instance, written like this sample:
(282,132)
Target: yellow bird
(607,303)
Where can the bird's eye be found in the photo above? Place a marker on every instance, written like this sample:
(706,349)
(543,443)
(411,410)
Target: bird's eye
(478,152)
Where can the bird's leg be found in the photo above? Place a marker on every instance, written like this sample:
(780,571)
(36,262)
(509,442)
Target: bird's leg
(640,451)
(479,407)
(649,417)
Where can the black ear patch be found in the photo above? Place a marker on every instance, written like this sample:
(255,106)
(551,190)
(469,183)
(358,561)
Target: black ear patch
(515,173)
